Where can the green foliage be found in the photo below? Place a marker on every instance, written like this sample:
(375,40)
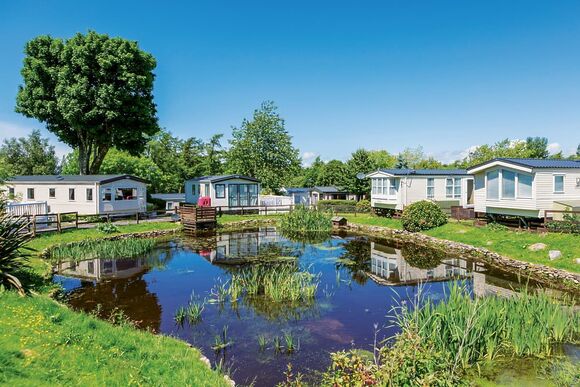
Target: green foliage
(306,220)
(14,235)
(360,162)
(534,147)
(493,226)
(92,91)
(570,224)
(276,282)
(363,205)
(32,155)
(107,228)
(422,215)
(104,249)
(411,361)
(382,159)
(262,148)
(475,329)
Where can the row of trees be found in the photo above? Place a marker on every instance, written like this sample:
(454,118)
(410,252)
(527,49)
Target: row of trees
(95,93)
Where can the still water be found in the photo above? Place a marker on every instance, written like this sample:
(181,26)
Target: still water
(361,280)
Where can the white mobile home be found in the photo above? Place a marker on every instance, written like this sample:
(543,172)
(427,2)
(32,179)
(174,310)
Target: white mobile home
(229,192)
(397,188)
(85,194)
(526,187)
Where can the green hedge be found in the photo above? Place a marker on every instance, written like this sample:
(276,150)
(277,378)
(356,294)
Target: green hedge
(337,202)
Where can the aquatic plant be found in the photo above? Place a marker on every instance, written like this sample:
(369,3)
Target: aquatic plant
(104,249)
(278,344)
(262,342)
(282,282)
(291,344)
(528,324)
(306,220)
(180,315)
(222,341)
(194,309)
(219,293)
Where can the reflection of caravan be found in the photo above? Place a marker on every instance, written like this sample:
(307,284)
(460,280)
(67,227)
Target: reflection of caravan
(98,269)
(388,266)
(241,245)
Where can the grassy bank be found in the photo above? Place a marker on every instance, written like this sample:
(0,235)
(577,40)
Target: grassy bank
(43,343)
(512,244)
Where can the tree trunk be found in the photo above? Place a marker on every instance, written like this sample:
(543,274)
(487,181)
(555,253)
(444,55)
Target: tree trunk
(100,153)
(84,158)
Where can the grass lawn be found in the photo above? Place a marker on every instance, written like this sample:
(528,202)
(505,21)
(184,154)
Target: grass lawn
(513,244)
(44,344)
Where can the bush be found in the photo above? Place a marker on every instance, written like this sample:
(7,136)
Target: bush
(422,215)
(107,228)
(363,206)
(14,255)
(337,205)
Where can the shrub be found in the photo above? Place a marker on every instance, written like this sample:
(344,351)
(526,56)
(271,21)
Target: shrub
(496,227)
(14,235)
(337,205)
(422,215)
(107,228)
(363,205)
(569,224)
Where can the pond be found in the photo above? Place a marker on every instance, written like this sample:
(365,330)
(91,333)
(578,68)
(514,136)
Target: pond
(360,281)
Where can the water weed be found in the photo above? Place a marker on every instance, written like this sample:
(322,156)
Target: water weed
(104,249)
(306,220)
(262,342)
(222,340)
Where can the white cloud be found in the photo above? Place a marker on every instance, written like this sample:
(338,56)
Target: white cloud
(308,158)
(554,148)
(453,155)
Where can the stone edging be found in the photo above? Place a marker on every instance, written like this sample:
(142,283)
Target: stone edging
(557,278)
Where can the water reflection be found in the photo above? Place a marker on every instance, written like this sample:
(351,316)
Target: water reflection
(356,275)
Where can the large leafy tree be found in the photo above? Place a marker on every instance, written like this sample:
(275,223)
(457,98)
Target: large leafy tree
(333,172)
(92,91)
(537,147)
(262,148)
(360,162)
(32,155)
(213,161)
(383,159)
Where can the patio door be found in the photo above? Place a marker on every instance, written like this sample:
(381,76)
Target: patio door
(470,199)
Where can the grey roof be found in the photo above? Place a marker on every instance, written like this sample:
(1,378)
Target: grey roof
(102,179)
(292,190)
(169,196)
(330,189)
(536,163)
(424,172)
(218,178)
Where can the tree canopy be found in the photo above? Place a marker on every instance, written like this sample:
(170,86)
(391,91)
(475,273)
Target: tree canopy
(92,91)
(32,155)
(262,148)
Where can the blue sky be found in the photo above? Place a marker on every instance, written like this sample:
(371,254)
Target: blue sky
(379,75)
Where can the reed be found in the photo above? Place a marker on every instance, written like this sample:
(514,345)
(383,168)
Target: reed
(104,249)
(278,283)
(292,345)
(180,315)
(262,342)
(222,340)
(474,329)
(306,220)
(194,309)
(278,344)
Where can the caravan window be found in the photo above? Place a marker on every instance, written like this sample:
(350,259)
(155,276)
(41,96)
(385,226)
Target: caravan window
(430,188)
(71,194)
(524,186)
(107,195)
(51,193)
(492,185)
(220,191)
(508,184)
(126,193)
(30,193)
(453,187)
(558,183)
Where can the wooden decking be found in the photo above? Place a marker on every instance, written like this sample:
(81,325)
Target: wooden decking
(195,218)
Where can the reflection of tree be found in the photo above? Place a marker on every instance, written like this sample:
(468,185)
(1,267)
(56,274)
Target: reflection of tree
(128,294)
(422,257)
(356,259)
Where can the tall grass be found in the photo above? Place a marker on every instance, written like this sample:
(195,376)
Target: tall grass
(306,220)
(107,249)
(527,324)
(278,283)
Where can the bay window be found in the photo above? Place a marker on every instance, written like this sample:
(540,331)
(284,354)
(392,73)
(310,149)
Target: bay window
(524,186)
(492,185)
(508,184)
(392,187)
